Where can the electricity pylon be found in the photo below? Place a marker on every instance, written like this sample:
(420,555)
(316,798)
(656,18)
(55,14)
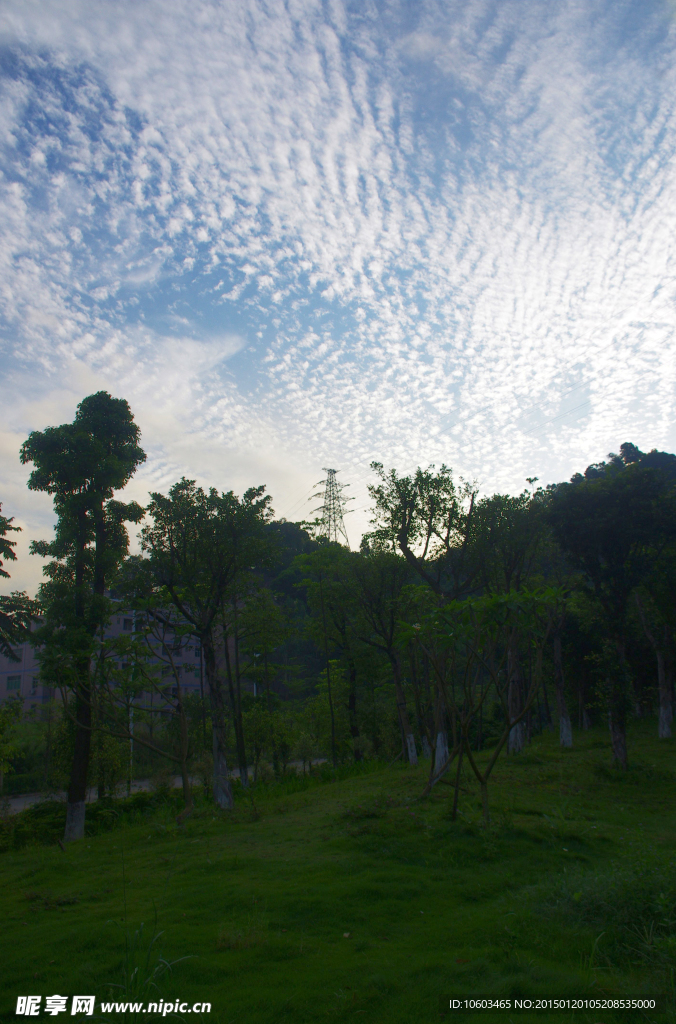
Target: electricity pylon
(330,523)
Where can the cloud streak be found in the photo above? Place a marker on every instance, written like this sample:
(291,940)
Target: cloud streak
(320,234)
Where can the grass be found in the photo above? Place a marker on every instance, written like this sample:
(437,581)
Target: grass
(353,900)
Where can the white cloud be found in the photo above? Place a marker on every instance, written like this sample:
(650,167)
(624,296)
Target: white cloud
(440,219)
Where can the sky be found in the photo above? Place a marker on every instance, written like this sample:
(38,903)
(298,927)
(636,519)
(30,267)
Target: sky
(308,234)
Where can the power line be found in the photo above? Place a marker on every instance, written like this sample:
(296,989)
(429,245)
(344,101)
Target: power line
(296,504)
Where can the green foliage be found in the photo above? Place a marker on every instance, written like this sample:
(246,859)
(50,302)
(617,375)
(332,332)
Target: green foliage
(613,526)
(10,714)
(17,611)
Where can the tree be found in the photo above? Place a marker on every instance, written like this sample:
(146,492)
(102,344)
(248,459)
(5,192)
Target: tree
(132,666)
(430,520)
(10,713)
(265,628)
(81,464)
(476,635)
(613,525)
(660,637)
(506,536)
(332,594)
(381,578)
(198,545)
(17,611)
(318,570)
(7,545)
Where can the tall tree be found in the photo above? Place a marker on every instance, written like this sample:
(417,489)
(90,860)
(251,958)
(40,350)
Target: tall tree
(81,464)
(330,585)
(319,573)
(199,544)
(381,578)
(507,534)
(613,525)
(430,519)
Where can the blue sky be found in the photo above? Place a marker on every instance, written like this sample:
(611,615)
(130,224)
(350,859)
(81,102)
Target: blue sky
(303,234)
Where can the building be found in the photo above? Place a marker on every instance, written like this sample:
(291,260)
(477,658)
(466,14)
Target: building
(22,678)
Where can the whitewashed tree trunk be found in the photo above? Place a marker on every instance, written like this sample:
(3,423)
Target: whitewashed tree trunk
(222,788)
(441,752)
(75,821)
(517,734)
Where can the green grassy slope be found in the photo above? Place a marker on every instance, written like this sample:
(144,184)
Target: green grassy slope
(354,901)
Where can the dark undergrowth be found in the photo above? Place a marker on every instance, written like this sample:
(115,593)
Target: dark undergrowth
(43,823)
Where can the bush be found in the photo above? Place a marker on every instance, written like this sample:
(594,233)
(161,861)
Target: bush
(27,782)
(44,823)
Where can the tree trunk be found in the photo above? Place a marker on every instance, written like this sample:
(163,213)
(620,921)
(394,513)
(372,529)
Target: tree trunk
(422,724)
(275,755)
(618,737)
(239,738)
(334,757)
(545,699)
(204,714)
(484,802)
(185,779)
(454,810)
(517,736)
(407,732)
(352,709)
(663,683)
(77,788)
(222,787)
(565,730)
(618,707)
(441,735)
(267,681)
(100,768)
(666,712)
(241,746)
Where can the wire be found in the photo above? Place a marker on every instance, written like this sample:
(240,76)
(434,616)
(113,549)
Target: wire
(296,504)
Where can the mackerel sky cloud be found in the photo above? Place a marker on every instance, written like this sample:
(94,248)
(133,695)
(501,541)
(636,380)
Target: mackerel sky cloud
(303,234)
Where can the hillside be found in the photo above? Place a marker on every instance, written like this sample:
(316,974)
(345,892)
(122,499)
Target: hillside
(352,900)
